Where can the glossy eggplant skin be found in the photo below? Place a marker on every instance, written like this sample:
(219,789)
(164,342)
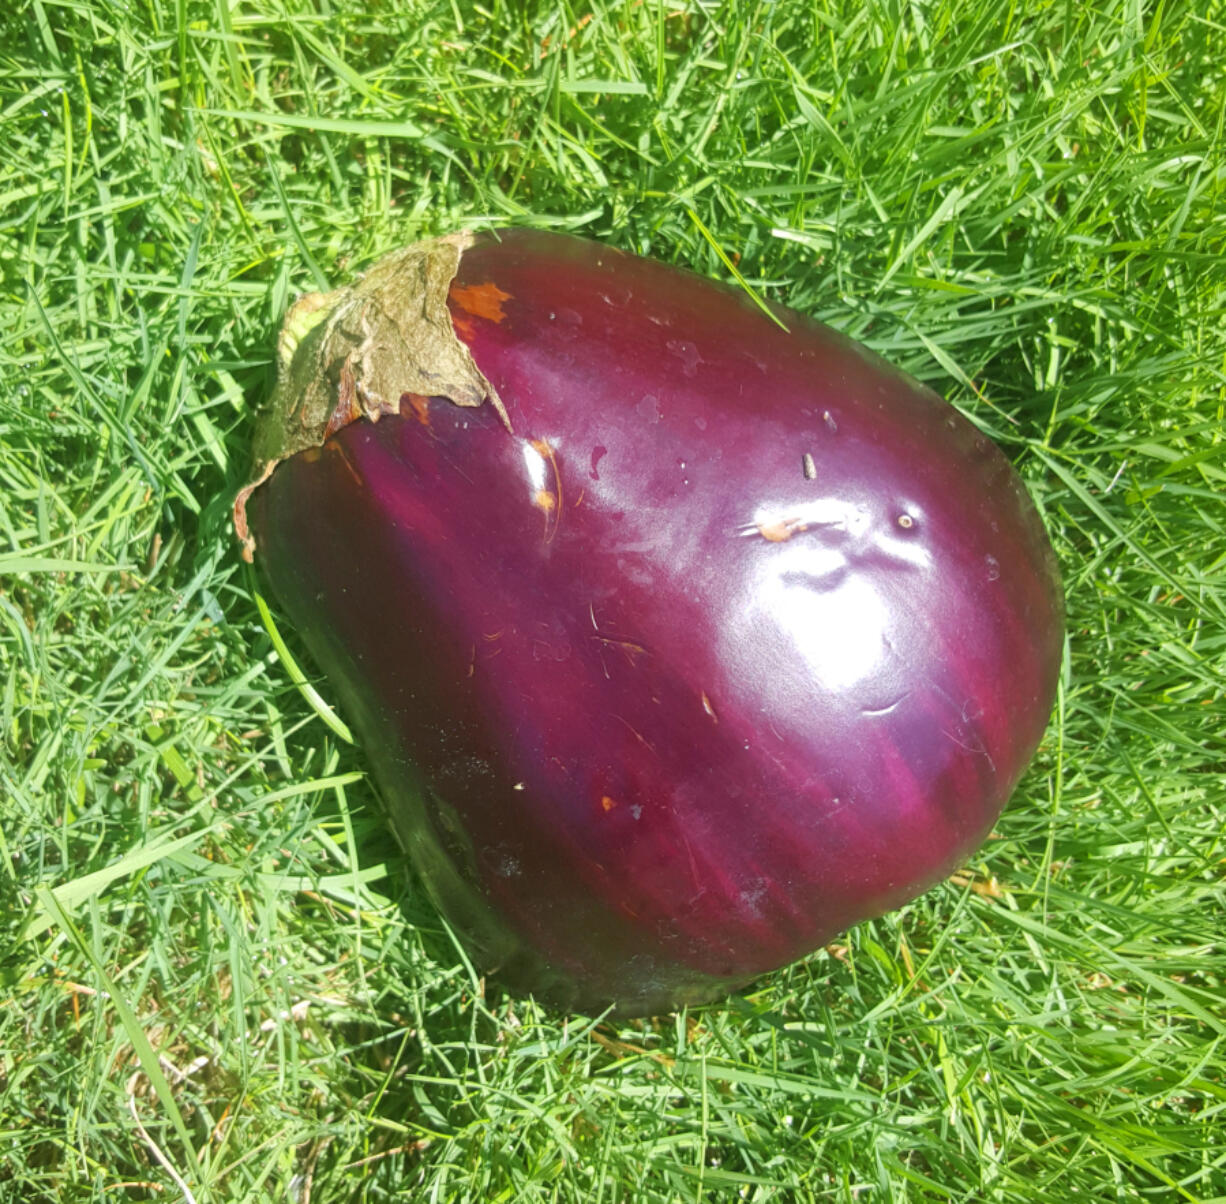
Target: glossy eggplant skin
(737,637)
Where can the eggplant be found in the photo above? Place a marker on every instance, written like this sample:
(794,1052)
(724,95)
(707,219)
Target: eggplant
(680,635)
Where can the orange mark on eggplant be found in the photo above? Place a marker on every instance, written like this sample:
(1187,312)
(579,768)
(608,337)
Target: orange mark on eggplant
(608,803)
(549,501)
(466,332)
(781,529)
(417,405)
(480,300)
(706,706)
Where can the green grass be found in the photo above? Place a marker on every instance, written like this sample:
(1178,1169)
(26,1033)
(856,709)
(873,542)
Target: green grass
(218,980)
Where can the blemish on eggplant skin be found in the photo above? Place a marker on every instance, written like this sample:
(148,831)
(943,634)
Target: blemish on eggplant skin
(778,530)
(480,300)
(506,865)
(598,454)
(687,352)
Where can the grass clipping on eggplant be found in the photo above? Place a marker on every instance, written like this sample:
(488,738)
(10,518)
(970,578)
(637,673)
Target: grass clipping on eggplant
(357,351)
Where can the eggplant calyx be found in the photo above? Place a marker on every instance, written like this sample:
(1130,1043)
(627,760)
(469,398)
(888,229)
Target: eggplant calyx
(352,353)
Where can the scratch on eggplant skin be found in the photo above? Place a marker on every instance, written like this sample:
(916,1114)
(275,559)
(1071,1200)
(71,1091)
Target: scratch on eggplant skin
(629,648)
(978,748)
(338,449)
(647,744)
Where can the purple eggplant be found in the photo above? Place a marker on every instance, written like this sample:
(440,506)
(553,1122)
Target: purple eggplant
(680,637)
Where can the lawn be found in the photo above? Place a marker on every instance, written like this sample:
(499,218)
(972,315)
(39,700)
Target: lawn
(219,980)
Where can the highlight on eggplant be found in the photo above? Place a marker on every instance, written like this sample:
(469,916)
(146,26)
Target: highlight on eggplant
(680,636)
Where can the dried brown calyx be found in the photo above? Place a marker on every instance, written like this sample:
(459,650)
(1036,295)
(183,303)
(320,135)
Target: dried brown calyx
(352,353)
